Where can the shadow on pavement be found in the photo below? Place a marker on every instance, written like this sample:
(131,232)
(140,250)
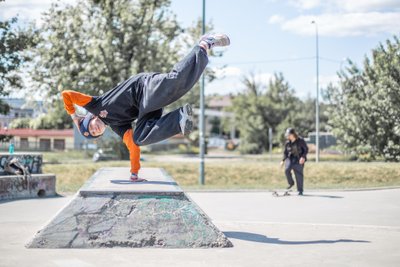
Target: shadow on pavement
(317,195)
(264,239)
(144,182)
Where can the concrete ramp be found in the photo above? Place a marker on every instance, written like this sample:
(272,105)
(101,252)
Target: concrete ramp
(110,211)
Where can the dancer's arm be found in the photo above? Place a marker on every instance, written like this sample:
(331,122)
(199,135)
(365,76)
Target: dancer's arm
(72,97)
(134,151)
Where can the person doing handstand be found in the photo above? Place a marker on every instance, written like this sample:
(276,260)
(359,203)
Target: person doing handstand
(142,97)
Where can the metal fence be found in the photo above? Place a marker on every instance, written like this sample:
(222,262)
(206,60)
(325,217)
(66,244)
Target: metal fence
(40,145)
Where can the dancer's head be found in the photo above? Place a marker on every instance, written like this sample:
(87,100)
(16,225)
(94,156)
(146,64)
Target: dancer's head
(91,126)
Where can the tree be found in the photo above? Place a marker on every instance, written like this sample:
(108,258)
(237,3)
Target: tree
(302,118)
(95,44)
(56,119)
(261,107)
(365,113)
(13,43)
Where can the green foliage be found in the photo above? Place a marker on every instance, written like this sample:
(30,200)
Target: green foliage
(75,168)
(57,119)
(302,118)
(365,113)
(20,123)
(13,43)
(115,145)
(260,108)
(215,125)
(4,138)
(91,46)
(275,106)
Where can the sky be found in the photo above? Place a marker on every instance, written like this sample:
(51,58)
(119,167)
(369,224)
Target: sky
(269,36)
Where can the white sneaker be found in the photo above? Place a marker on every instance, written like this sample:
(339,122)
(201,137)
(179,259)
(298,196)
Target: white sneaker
(135,178)
(186,120)
(215,39)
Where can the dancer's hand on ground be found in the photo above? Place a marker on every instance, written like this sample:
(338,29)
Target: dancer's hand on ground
(135,178)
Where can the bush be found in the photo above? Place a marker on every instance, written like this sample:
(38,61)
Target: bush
(116,147)
(250,148)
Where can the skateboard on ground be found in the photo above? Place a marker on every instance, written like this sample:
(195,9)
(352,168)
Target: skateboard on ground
(285,193)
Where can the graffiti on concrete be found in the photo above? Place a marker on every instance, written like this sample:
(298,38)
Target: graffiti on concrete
(9,185)
(126,220)
(18,186)
(33,162)
(114,213)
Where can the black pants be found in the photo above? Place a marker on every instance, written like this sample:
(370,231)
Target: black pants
(298,173)
(162,89)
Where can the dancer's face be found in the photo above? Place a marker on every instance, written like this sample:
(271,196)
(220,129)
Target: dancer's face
(96,126)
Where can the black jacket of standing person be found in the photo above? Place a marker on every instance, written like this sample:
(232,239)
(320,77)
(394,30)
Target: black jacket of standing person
(295,150)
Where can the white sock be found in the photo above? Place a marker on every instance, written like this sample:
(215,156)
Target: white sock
(204,43)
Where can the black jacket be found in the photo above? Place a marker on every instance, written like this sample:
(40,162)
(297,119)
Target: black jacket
(295,150)
(119,107)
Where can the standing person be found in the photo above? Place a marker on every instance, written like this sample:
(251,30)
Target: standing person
(294,157)
(142,97)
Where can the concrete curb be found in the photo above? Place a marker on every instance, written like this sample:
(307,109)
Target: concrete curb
(271,190)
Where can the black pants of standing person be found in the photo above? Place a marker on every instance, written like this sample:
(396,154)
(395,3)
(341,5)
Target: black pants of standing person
(298,169)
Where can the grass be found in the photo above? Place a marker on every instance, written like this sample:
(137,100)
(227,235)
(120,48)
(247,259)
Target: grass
(246,173)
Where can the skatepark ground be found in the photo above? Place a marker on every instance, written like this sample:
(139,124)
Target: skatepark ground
(322,228)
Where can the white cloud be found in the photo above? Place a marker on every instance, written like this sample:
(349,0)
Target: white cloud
(276,19)
(263,78)
(228,81)
(343,17)
(367,5)
(224,86)
(27,10)
(227,72)
(234,84)
(305,4)
(345,24)
(325,80)
(347,5)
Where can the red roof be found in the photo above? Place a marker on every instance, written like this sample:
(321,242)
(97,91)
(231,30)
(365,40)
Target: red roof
(37,133)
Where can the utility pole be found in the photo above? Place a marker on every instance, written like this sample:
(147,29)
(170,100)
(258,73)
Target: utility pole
(317,99)
(202,125)
(270,142)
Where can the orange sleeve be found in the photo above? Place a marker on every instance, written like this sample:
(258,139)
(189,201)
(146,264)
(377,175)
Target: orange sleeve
(72,97)
(134,151)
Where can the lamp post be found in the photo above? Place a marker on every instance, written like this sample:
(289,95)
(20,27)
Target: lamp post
(317,99)
(202,130)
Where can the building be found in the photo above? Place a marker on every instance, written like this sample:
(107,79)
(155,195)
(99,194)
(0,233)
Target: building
(216,112)
(326,139)
(219,102)
(20,108)
(39,140)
